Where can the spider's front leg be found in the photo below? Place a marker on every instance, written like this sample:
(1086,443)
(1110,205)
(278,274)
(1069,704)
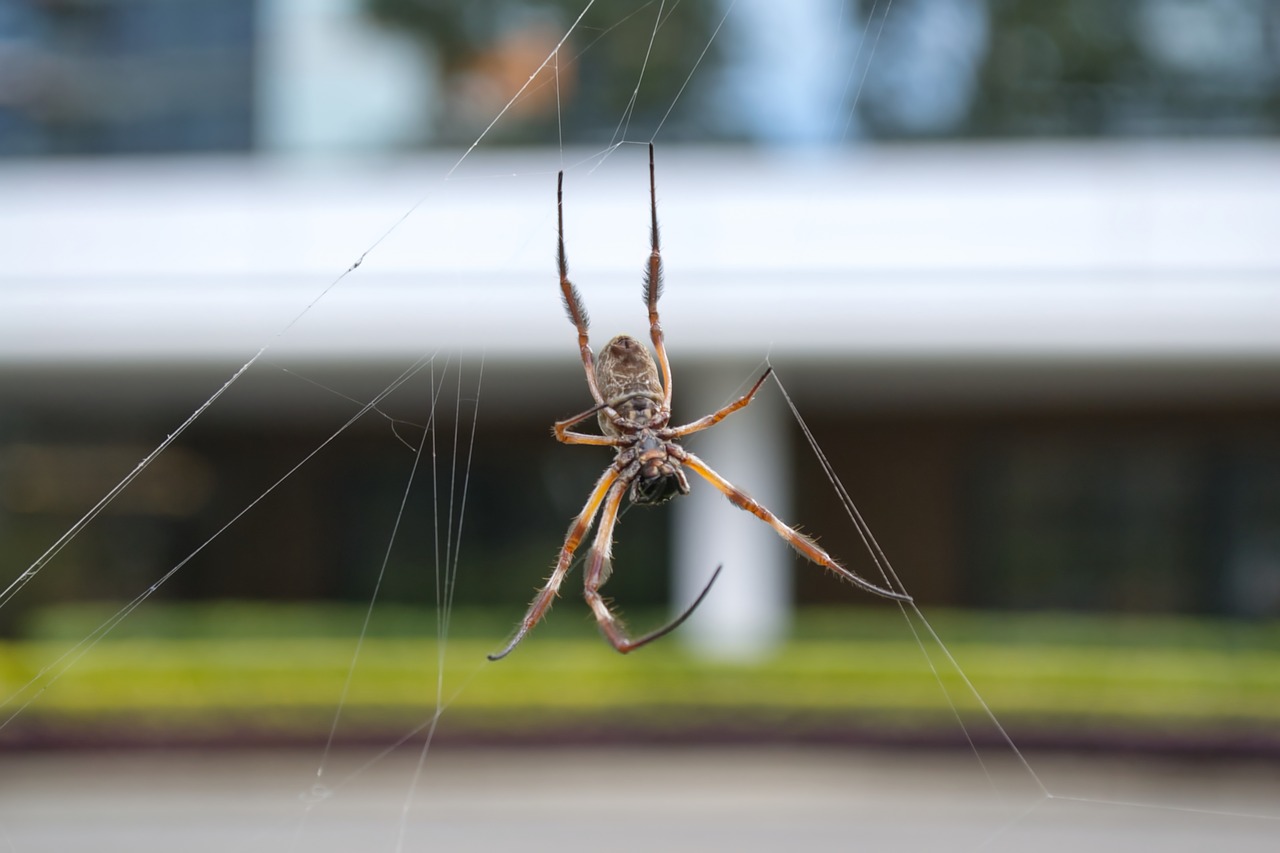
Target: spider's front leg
(653,288)
(573,304)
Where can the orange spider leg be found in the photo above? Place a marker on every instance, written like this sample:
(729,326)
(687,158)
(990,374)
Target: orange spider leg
(716,417)
(599,567)
(565,435)
(577,530)
(806,546)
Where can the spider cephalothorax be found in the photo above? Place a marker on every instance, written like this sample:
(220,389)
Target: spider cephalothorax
(632,394)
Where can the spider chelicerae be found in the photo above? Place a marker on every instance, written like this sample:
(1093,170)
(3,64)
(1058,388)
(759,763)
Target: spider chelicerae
(633,408)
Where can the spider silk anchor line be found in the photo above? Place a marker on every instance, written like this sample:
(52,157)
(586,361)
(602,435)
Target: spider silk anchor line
(633,409)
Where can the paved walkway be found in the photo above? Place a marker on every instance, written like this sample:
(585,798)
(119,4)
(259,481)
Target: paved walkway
(628,800)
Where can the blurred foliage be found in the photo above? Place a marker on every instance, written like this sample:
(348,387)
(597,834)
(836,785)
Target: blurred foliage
(117,76)
(126,76)
(232,670)
(933,69)
(1100,68)
(488,48)
(1066,68)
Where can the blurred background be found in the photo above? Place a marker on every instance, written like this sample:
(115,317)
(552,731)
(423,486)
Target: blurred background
(1015,262)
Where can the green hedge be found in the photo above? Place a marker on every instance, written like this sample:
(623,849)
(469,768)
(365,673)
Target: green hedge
(223,669)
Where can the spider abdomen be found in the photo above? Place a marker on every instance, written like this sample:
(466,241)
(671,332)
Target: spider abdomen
(625,368)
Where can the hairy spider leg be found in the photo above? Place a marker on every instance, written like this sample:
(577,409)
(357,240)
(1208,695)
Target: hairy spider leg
(572,299)
(599,567)
(653,288)
(542,601)
(806,546)
(564,435)
(716,417)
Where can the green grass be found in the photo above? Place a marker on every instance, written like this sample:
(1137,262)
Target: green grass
(282,670)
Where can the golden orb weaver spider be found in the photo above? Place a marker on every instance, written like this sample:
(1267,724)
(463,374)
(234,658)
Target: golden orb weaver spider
(633,408)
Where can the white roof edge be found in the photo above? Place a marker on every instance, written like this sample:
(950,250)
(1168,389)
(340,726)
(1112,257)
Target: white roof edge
(1107,251)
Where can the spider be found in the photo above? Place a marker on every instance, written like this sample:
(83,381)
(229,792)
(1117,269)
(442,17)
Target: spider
(633,408)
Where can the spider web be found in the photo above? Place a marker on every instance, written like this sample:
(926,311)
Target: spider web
(1024,806)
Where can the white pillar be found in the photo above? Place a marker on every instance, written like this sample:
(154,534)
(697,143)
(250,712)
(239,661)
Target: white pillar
(331,79)
(779,94)
(748,611)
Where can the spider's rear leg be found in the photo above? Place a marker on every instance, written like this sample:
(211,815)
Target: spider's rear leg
(808,549)
(542,601)
(599,567)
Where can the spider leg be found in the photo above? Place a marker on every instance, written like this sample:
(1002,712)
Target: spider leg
(565,435)
(542,601)
(653,288)
(599,567)
(573,305)
(716,417)
(806,546)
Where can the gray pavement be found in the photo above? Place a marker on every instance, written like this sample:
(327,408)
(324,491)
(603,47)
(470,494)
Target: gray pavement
(595,800)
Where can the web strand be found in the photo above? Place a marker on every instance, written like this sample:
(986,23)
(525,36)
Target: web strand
(428,431)
(624,123)
(866,66)
(447,540)
(696,65)
(53,671)
(894,582)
